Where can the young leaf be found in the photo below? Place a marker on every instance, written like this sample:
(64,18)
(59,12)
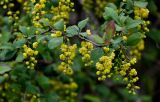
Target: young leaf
(109,31)
(110,13)
(82,23)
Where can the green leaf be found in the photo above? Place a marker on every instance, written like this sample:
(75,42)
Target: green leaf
(4,36)
(129,4)
(110,14)
(146,98)
(84,34)
(112,5)
(43,81)
(118,28)
(155,35)
(133,39)
(27,30)
(7,46)
(55,42)
(83,23)
(46,56)
(20,57)
(4,68)
(44,21)
(97,39)
(116,42)
(152,7)
(133,23)
(2,79)
(77,64)
(23,29)
(123,19)
(141,4)
(42,37)
(103,90)
(96,54)
(92,98)
(7,54)
(72,30)
(31,88)
(59,25)
(19,43)
(50,97)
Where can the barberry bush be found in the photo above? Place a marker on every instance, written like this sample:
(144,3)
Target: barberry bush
(71,50)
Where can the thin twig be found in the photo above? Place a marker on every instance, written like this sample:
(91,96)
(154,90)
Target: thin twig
(83,38)
(50,29)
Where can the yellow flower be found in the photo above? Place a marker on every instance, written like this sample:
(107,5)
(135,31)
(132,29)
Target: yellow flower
(88,32)
(124,38)
(35,45)
(85,51)
(133,72)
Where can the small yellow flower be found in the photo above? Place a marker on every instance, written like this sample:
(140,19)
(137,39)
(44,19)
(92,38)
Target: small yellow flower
(35,45)
(124,38)
(88,32)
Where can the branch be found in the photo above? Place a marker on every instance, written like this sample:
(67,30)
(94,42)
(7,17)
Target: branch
(94,43)
(50,29)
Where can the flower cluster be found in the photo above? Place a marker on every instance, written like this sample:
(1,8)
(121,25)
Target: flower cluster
(12,15)
(67,56)
(38,12)
(26,6)
(85,51)
(98,6)
(104,66)
(129,74)
(141,13)
(29,55)
(6,4)
(66,90)
(33,97)
(63,10)
(136,50)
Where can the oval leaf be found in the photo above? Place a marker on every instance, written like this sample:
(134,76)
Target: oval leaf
(55,42)
(4,68)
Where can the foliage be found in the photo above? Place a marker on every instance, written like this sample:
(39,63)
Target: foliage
(45,58)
